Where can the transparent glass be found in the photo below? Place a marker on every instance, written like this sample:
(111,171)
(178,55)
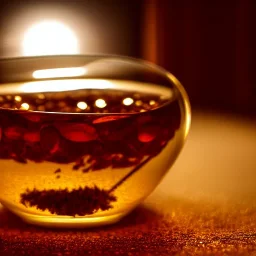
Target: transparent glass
(85,139)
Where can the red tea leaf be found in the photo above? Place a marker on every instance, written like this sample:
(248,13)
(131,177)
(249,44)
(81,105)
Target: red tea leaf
(107,119)
(32,117)
(14,132)
(32,136)
(77,132)
(49,139)
(148,133)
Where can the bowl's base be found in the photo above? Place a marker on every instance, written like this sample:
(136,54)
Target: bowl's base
(66,221)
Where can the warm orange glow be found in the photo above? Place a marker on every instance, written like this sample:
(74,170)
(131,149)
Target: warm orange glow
(18,98)
(41,96)
(25,106)
(152,102)
(138,103)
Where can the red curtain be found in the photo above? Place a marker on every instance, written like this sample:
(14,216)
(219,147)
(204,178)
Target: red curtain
(208,45)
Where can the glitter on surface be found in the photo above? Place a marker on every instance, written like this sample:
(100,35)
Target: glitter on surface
(144,232)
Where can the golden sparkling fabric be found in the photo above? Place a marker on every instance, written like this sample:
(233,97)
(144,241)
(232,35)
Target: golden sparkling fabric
(168,228)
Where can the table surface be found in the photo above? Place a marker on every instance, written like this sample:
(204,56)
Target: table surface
(206,205)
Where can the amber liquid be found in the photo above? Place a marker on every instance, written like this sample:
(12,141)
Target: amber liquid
(54,144)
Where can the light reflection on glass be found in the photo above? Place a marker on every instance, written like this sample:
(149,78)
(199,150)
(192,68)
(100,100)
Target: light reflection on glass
(138,103)
(41,96)
(59,72)
(152,102)
(17,98)
(65,85)
(82,105)
(128,101)
(100,103)
(24,106)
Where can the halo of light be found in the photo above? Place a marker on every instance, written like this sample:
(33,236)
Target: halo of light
(49,38)
(138,103)
(100,103)
(128,101)
(82,105)
(25,106)
(17,98)
(152,102)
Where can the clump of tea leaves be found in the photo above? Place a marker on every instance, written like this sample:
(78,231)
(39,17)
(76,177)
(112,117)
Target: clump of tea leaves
(80,202)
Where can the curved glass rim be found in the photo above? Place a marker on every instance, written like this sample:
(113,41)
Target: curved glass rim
(124,57)
(173,80)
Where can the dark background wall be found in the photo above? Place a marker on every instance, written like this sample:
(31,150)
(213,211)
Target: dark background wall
(208,45)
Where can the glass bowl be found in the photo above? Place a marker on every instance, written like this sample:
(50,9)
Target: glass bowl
(85,139)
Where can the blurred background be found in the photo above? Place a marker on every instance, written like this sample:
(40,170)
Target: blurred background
(208,45)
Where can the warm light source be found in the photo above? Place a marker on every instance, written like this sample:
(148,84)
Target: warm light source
(18,98)
(25,106)
(100,103)
(128,101)
(59,72)
(49,38)
(82,105)
(138,103)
